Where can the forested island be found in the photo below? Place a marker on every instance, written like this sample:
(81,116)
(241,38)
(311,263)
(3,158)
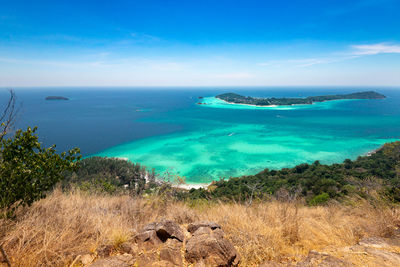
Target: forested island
(56,98)
(272,101)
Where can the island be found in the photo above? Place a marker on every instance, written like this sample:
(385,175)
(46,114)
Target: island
(233,98)
(56,98)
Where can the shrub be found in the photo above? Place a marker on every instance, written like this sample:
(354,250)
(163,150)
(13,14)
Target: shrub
(319,199)
(28,171)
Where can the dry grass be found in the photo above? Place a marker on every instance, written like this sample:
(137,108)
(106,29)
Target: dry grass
(55,230)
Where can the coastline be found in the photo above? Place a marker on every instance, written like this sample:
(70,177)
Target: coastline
(266,106)
(274,106)
(190,186)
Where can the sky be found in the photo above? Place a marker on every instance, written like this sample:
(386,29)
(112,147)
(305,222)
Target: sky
(199,43)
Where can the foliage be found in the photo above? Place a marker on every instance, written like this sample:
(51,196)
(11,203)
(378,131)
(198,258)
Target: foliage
(320,199)
(108,175)
(28,171)
(379,171)
(239,99)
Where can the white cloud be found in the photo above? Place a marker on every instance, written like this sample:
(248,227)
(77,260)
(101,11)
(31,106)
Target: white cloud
(375,49)
(304,62)
(357,51)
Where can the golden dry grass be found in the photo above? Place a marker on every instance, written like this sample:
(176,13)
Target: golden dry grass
(55,230)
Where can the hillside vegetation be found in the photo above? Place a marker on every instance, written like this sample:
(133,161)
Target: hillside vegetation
(258,101)
(316,183)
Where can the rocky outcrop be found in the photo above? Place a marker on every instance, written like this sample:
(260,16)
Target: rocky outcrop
(125,260)
(371,251)
(166,243)
(194,226)
(315,258)
(208,246)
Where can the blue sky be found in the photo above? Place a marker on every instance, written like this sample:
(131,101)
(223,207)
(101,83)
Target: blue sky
(199,43)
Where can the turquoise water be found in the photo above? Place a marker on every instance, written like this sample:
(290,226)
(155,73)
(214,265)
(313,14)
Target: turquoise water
(244,139)
(167,130)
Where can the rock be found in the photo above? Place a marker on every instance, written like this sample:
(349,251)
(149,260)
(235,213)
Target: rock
(146,259)
(211,248)
(374,242)
(86,259)
(274,264)
(200,264)
(162,264)
(125,260)
(150,226)
(194,226)
(203,231)
(148,237)
(168,229)
(375,252)
(172,252)
(160,244)
(315,258)
(105,251)
(159,232)
(129,248)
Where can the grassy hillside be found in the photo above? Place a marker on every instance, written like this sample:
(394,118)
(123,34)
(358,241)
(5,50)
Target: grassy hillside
(55,230)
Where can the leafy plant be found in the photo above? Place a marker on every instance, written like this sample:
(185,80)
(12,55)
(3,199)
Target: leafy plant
(28,171)
(320,199)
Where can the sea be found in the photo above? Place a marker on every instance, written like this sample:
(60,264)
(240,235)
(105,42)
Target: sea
(165,129)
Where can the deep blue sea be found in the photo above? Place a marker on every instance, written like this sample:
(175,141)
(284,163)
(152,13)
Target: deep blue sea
(164,128)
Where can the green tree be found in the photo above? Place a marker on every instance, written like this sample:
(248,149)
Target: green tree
(28,171)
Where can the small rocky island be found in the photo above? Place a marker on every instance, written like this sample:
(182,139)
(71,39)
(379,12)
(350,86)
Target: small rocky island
(248,100)
(56,98)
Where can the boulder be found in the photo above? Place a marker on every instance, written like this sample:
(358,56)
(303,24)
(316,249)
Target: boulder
(210,249)
(125,260)
(147,238)
(315,258)
(159,232)
(160,244)
(202,231)
(168,229)
(194,226)
(171,252)
(146,259)
(128,247)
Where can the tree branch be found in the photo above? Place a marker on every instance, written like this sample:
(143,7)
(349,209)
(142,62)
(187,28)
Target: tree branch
(5,256)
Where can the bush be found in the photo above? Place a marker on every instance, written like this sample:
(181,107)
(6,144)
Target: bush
(28,171)
(108,175)
(320,199)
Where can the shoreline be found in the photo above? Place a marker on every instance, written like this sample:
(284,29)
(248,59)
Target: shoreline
(274,106)
(190,186)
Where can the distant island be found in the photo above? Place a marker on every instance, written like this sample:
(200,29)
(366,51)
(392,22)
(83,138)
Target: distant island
(287,101)
(56,98)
